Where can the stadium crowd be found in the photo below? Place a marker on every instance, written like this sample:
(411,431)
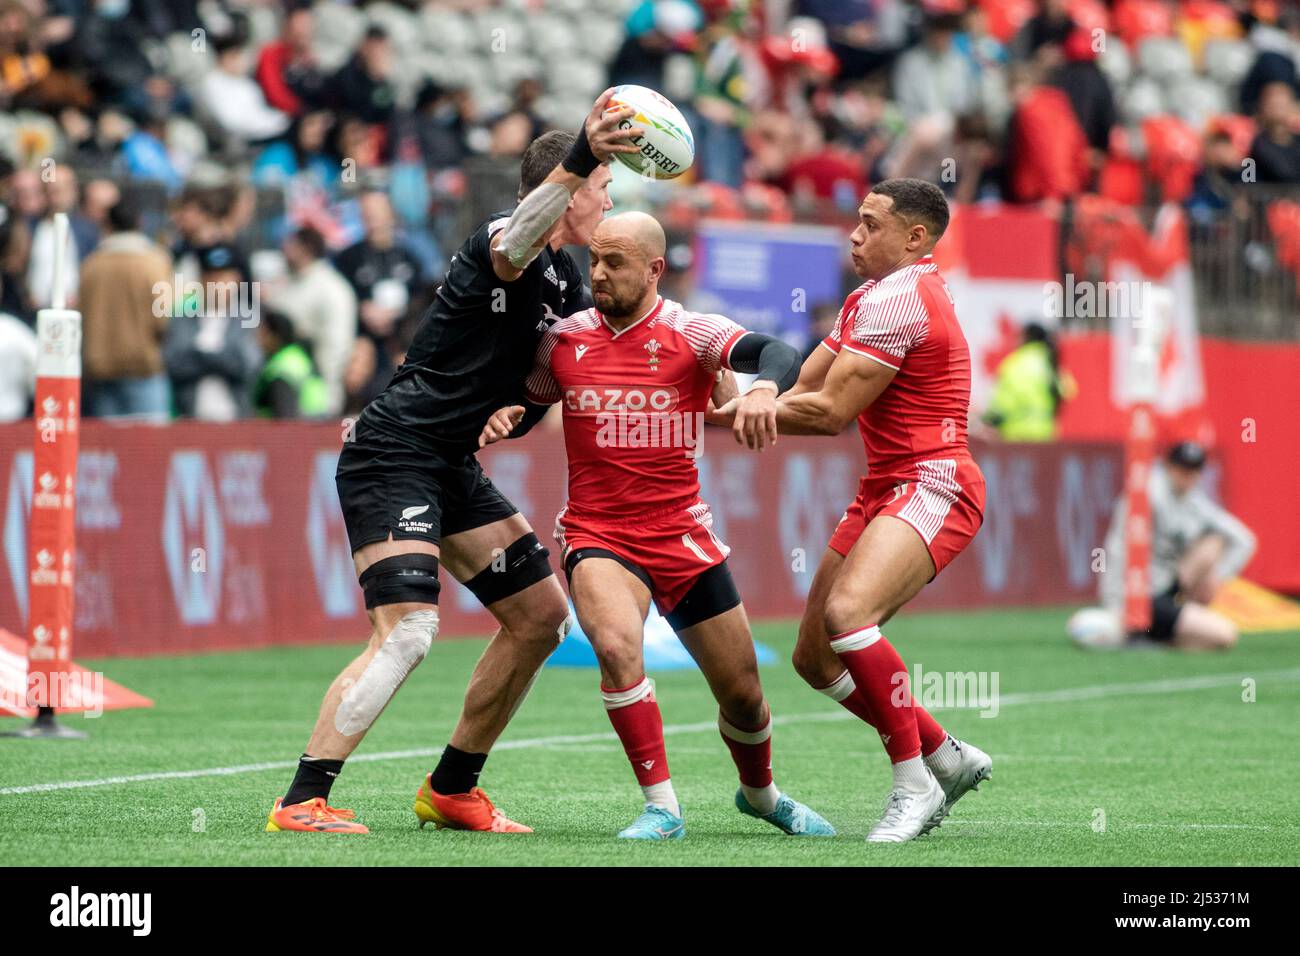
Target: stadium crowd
(158,126)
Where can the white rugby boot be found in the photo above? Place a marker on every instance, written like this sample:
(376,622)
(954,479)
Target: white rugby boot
(975,767)
(906,813)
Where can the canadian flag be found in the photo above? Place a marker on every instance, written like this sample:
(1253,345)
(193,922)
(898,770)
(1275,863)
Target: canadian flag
(1006,267)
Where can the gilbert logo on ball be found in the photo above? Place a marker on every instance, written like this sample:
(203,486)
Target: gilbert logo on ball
(668,147)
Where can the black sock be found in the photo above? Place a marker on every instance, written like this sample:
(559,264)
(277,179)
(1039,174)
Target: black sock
(314,778)
(457,771)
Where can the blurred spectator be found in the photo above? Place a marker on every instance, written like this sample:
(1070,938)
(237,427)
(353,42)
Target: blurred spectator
(15,242)
(97,197)
(518,126)
(1047,154)
(60,196)
(23,63)
(303,152)
(363,87)
(726,67)
(1276,149)
(933,78)
(824,170)
(212,357)
(144,154)
(123,323)
(383,272)
(1214,189)
(1028,389)
(287,386)
(863,35)
(233,101)
(1042,37)
(979,169)
(443,120)
(287,68)
(323,309)
(1277,60)
(17,368)
(656,31)
(1088,90)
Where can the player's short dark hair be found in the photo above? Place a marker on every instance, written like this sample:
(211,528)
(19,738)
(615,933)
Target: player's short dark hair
(917,201)
(542,155)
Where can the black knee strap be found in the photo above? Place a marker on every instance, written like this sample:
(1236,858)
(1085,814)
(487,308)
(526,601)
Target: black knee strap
(401,579)
(713,593)
(521,565)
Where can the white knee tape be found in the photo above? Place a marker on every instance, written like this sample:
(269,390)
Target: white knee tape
(565,627)
(406,645)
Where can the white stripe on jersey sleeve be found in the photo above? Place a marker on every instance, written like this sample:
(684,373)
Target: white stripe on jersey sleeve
(540,386)
(892,319)
(706,333)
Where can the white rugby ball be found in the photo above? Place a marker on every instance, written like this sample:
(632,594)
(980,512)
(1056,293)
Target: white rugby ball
(1095,628)
(668,147)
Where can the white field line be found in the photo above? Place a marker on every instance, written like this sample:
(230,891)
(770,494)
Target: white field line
(1062,696)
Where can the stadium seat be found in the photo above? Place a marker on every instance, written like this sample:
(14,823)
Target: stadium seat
(1135,20)
(1228,61)
(1197,100)
(1164,59)
(444,30)
(1143,98)
(1115,62)
(1089,15)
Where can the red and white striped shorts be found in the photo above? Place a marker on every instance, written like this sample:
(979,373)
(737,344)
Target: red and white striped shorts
(943,499)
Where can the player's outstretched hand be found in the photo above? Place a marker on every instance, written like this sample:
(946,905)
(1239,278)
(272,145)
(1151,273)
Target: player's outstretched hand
(755,423)
(501,424)
(603,135)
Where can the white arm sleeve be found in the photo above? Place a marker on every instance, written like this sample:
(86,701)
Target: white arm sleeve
(537,212)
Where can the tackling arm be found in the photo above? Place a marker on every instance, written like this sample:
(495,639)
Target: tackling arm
(852,383)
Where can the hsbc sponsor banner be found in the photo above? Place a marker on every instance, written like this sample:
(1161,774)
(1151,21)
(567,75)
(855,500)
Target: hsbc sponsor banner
(199,537)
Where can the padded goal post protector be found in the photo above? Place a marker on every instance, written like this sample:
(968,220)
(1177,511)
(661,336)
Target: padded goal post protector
(51,542)
(83,691)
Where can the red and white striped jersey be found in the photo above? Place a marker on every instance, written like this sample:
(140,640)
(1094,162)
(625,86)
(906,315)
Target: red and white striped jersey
(633,404)
(907,321)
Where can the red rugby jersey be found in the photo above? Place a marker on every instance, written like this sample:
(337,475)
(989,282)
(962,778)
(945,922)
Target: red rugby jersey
(907,321)
(633,404)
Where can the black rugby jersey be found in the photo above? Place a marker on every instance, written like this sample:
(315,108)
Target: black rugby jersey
(474,345)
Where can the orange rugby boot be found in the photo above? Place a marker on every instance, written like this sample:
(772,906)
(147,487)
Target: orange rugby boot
(462,811)
(312,816)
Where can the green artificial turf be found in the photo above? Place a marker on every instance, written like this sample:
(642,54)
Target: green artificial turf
(1173,767)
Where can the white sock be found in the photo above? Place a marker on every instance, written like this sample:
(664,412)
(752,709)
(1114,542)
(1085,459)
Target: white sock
(762,799)
(912,776)
(945,761)
(661,795)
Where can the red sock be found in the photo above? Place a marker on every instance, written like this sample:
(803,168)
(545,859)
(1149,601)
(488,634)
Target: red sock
(751,751)
(847,694)
(881,678)
(932,735)
(636,719)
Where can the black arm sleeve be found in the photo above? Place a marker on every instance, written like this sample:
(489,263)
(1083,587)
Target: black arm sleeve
(532,415)
(771,358)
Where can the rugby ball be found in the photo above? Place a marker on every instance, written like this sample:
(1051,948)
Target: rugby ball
(668,147)
(1095,628)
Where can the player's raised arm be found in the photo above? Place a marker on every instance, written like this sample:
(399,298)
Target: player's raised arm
(530,225)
